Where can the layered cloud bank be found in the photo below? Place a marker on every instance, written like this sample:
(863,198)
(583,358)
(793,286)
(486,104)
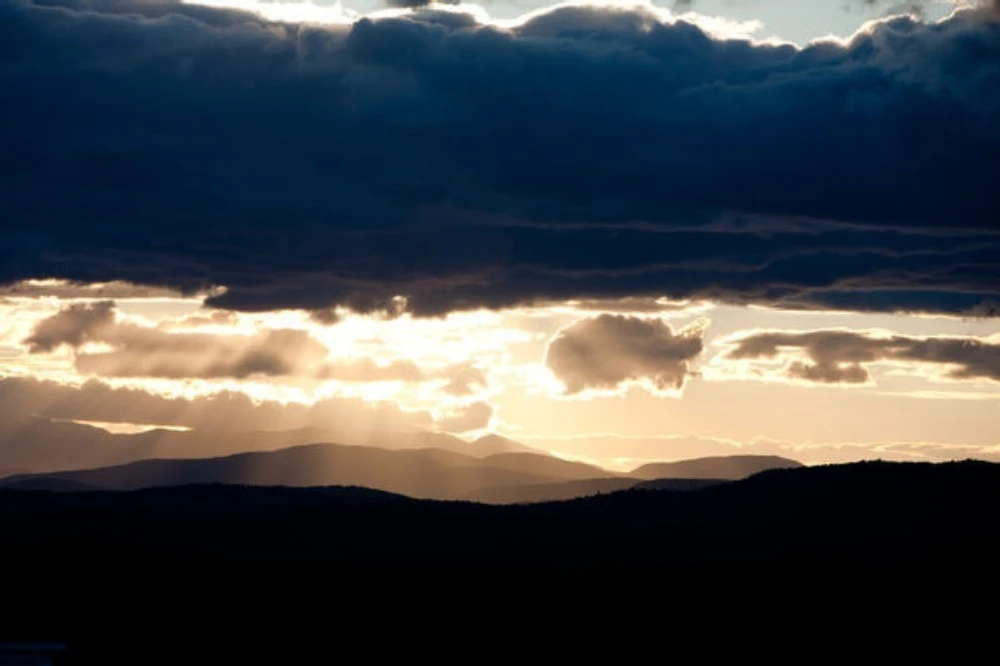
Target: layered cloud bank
(105,345)
(583,153)
(843,356)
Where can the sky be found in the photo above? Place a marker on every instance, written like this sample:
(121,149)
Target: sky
(616,232)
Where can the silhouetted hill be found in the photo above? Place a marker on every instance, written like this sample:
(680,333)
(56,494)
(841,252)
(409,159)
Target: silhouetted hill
(678,484)
(39,445)
(566,490)
(46,483)
(549,492)
(538,463)
(827,511)
(715,467)
(212,574)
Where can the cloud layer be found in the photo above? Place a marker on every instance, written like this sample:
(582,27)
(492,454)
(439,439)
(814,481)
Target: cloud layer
(837,356)
(224,411)
(141,351)
(587,153)
(344,419)
(131,350)
(607,351)
(465,418)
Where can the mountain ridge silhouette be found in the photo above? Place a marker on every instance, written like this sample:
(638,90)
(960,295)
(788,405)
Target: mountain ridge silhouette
(208,574)
(510,476)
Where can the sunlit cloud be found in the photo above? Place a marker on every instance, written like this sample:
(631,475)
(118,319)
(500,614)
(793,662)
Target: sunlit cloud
(635,305)
(291,12)
(204,407)
(603,354)
(464,418)
(845,357)
(338,13)
(66,291)
(128,350)
(943,395)
(458,373)
(119,428)
(464,379)
(273,356)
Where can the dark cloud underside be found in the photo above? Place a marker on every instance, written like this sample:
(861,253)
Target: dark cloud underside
(589,153)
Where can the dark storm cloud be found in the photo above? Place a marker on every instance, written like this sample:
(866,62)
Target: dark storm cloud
(606,351)
(841,356)
(587,154)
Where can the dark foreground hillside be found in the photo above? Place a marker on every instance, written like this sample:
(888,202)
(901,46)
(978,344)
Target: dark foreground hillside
(249,574)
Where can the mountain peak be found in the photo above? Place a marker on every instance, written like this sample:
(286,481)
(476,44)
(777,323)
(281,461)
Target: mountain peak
(493,443)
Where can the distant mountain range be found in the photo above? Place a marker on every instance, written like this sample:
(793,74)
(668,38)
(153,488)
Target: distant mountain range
(419,473)
(34,444)
(39,453)
(858,510)
(502,472)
